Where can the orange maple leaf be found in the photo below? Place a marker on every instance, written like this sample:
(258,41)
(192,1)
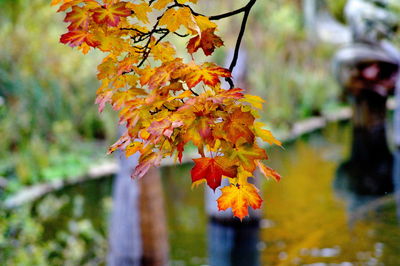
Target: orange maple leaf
(209,73)
(79,18)
(238,126)
(212,170)
(239,197)
(56,2)
(155,78)
(225,95)
(111,14)
(268,172)
(207,41)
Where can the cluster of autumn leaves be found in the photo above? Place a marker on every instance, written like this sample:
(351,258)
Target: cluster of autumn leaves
(167,103)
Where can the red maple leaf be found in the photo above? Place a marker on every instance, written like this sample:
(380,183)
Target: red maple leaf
(212,170)
(77,37)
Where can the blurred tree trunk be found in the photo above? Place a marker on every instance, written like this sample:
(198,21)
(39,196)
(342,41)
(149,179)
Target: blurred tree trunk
(138,231)
(153,220)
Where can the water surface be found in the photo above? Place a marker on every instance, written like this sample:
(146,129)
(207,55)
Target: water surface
(306,220)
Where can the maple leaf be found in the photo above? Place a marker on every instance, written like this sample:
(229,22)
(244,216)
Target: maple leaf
(163,128)
(239,197)
(268,172)
(158,104)
(122,143)
(180,148)
(146,161)
(56,2)
(222,96)
(185,1)
(111,14)
(212,170)
(173,19)
(133,148)
(79,18)
(163,51)
(207,41)
(140,11)
(265,135)
(160,4)
(208,73)
(156,78)
(205,23)
(238,126)
(77,37)
(246,155)
(90,4)
(122,98)
(254,100)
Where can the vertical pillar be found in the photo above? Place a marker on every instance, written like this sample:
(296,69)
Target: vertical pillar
(232,242)
(396,133)
(138,230)
(369,169)
(125,245)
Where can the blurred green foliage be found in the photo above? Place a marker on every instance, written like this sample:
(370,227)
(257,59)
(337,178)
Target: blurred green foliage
(336,7)
(47,90)
(289,71)
(56,230)
(47,93)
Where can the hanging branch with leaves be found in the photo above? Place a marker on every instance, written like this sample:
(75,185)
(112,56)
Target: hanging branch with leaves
(165,102)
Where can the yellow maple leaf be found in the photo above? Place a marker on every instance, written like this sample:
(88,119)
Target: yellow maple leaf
(185,1)
(160,4)
(205,23)
(265,135)
(140,11)
(254,100)
(164,51)
(173,19)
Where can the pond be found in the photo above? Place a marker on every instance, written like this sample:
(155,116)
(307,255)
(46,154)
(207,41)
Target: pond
(308,218)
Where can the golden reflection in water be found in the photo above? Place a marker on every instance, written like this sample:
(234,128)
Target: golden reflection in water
(306,221)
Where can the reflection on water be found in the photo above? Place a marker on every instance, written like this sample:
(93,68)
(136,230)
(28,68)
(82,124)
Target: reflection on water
(233,244)
(305,220)
(309,222)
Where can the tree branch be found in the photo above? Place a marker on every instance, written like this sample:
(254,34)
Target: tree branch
(229,14)
(235,58)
